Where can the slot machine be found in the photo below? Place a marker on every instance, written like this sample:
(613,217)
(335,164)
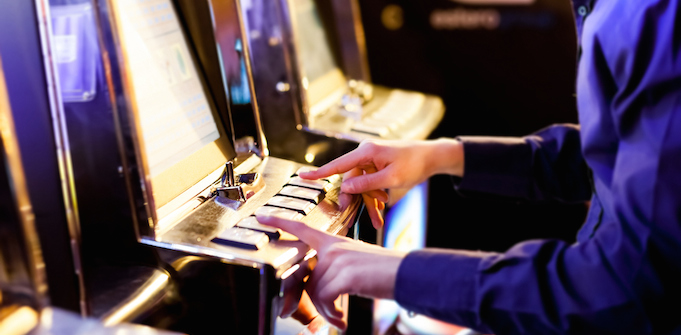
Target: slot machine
(311,73)
(170,165)
(25,306)
(30,93)
(317,99)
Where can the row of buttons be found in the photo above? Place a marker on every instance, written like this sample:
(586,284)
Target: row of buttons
(399,110)
(295,200)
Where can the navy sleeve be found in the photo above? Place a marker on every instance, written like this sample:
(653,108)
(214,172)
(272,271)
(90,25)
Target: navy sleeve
(547,165)
(625,278)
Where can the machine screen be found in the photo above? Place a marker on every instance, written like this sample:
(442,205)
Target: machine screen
(171,107)
(321,72)
(315,49)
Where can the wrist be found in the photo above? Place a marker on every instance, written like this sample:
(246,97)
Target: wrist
(448,157)
(377,276)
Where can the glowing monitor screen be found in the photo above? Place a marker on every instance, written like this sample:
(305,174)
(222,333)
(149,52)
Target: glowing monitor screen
(172,106)
(315,48)
(178,129)
(321,74)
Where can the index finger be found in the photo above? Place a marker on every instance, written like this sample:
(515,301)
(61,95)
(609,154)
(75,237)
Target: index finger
(310,236)
(339,165)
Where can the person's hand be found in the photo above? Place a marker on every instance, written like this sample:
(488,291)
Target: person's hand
(378,165)
(374,200)
(343,266)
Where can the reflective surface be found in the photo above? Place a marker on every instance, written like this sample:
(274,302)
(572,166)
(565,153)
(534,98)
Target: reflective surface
(55,321)
(22,278)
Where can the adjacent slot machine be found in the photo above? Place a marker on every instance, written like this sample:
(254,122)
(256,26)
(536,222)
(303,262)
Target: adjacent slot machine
(173,166)
(25,306)
(311,73)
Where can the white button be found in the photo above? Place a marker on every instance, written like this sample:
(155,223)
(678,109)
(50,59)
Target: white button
(242,238)
(279,212)
(303,193)
(321,185)
(252,223)
(300,205)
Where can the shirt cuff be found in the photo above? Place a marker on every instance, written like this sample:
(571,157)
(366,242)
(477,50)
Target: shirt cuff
(441,284)
(496,165)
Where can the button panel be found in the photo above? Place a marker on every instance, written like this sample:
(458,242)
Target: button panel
(242,238)
(295,200)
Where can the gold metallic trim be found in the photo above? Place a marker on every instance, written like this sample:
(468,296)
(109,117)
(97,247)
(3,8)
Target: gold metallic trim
(153,290)
(251,86)
(222,15)
(106,63)
(36,266)
(351,33)
(133,113)
(62,146)
(294,48)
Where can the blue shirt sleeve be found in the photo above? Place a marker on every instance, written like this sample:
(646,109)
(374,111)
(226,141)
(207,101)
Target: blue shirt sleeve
(547,165)
(624,277)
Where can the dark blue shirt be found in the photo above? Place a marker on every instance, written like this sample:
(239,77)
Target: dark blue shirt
(623,275)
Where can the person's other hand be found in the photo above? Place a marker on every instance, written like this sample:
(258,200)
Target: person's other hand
(377,165)
(343,266)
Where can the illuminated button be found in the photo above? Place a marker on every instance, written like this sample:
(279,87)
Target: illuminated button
(252,223)
(242,238)
(299,205)
(279,212)
(321,185)
(302,193)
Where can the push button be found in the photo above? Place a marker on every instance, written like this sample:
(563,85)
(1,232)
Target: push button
(242,238)
(252,223)
(314,196)
(298,205)
(321,185)
(286,214)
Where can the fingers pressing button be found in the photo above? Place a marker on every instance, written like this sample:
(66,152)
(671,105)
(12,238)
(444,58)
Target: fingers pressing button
(252,223)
